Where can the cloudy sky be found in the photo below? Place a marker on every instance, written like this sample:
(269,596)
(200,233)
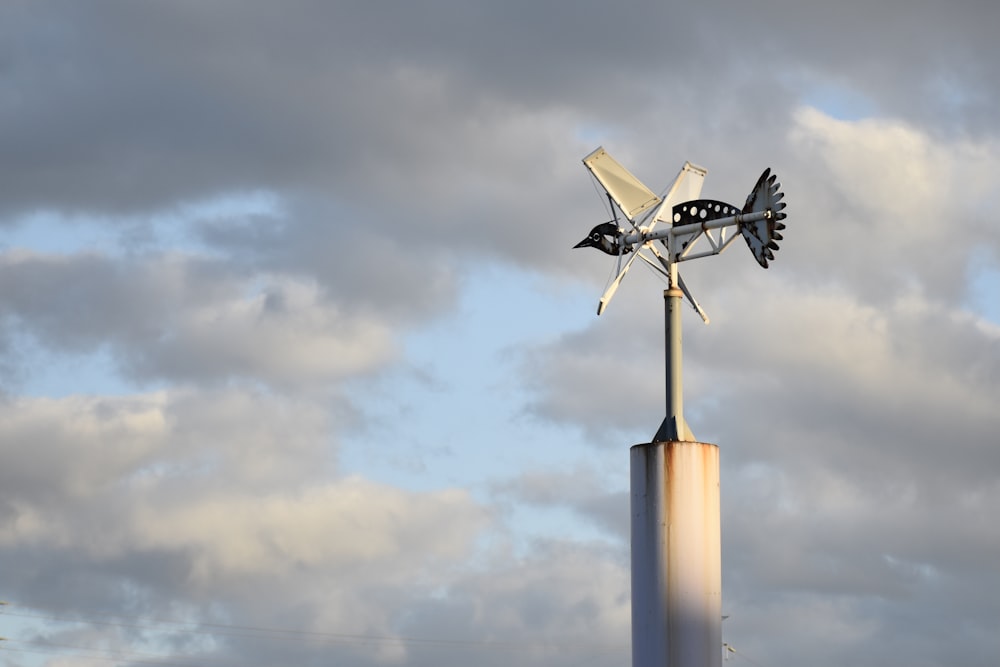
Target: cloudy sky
(297,365)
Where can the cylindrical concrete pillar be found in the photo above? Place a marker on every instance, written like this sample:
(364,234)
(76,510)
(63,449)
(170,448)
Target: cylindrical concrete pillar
(676,555)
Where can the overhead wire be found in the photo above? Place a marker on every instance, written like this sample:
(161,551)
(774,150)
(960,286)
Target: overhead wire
(222,630)
(729,648)
(601,194)
(103,654)
(286,634)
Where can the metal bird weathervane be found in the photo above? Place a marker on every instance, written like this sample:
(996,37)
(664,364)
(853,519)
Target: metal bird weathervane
(668,229)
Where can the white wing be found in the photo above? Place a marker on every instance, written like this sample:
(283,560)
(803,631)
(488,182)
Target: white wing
(686,187)
(625,189)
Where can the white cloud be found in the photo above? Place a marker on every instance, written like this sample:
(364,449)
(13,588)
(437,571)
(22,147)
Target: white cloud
(891,204)
(356,529)
(285,334)
(185,319)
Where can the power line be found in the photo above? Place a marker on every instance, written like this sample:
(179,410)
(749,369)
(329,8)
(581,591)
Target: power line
(286,634)
(744,656)
(102,654)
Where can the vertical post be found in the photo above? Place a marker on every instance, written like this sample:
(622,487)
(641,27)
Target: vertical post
(674,427)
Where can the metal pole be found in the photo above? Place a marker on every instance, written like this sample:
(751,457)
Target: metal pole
(675,382)
(673,427)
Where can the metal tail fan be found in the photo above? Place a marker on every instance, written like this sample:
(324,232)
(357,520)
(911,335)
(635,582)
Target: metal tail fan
(762,236)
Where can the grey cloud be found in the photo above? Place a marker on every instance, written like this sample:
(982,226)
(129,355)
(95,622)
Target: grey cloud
(223,497)
(580,490)
(564,603)
(204,92)
(58,451)
(399,277)
(185,319)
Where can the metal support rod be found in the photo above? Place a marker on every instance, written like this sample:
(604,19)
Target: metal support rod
(691,227)
(674,427)
(675,384)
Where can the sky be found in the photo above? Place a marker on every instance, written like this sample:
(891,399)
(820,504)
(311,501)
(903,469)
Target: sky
(298,365)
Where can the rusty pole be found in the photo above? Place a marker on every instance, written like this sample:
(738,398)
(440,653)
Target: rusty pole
(676,555)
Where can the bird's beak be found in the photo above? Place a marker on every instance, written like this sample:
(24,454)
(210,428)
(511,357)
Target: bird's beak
(597,236)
